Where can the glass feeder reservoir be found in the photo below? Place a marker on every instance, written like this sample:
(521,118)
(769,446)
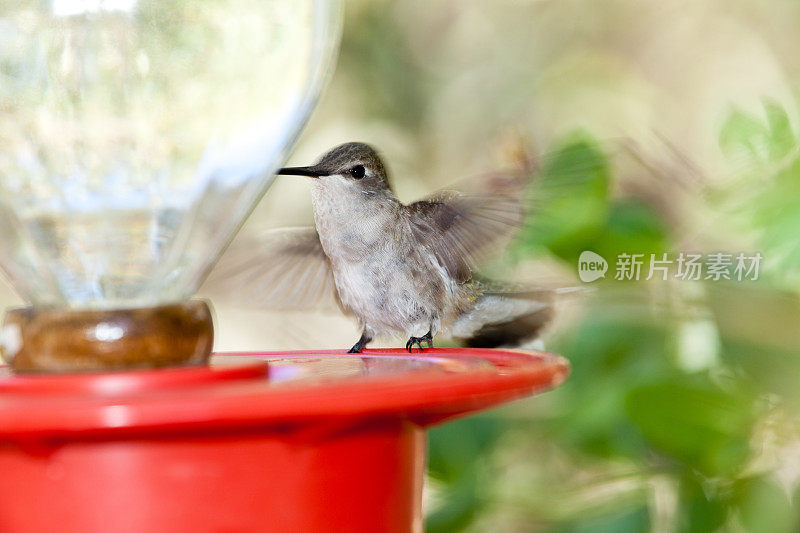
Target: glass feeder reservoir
(135,137)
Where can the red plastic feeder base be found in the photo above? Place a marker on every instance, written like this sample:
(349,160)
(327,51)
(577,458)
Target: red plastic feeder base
(327,442)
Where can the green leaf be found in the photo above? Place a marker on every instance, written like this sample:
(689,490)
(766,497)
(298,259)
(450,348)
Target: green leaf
(764,506)
(695,422)
(745,139)
(455,450)
(570,199)
(699,511)
(452,448)
(460,504)
(634,228)
(781,137)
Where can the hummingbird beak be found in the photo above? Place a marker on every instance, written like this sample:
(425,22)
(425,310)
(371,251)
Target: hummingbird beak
(311,172)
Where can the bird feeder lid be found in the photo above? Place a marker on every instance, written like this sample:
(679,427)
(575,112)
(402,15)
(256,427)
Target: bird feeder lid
(283,390)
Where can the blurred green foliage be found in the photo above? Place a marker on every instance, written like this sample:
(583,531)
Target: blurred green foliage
(573,209)
(666,441)
(766,153)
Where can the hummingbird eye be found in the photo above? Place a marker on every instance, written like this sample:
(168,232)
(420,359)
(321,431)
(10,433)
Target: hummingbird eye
(357,172)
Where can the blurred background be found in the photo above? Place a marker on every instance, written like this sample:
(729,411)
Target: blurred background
(652,128)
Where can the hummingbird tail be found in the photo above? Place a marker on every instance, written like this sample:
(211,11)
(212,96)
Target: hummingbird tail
(505,319)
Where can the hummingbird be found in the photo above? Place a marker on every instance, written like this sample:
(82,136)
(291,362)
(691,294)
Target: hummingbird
(401,269)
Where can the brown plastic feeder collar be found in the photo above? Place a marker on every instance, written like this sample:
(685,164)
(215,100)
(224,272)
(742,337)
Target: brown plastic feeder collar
(65,340)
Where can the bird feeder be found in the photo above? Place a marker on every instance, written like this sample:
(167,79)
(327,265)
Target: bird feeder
(282,442)
(137,136)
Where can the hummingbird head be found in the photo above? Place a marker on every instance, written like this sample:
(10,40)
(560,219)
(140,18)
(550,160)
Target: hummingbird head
(348,167)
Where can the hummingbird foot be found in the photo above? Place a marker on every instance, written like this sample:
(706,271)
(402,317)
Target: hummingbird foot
(360,344)
(428,337)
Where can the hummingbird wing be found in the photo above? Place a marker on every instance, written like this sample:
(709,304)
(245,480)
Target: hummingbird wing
(462,230)
(283,269)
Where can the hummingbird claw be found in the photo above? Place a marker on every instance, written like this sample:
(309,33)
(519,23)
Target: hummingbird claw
(360,344)
(428,337)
